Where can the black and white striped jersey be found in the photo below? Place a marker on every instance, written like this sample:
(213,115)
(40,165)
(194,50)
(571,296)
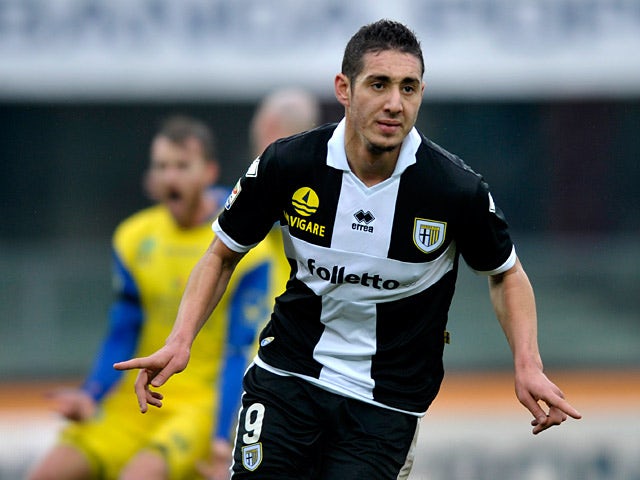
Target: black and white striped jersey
(373,268)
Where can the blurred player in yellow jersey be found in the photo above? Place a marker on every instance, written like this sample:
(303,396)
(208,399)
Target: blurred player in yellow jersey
(153,253)
(281,113)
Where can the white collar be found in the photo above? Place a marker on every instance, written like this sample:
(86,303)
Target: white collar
(337,156)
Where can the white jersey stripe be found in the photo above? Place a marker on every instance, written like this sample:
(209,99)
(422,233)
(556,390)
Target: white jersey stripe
(346,346)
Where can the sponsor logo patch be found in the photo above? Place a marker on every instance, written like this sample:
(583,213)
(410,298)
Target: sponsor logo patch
(338,274)
(233,195)
(428,235)
(305,201)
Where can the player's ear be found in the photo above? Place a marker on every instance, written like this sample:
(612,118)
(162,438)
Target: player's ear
(342,88)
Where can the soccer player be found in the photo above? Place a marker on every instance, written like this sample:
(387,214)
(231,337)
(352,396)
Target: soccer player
(375,218)
(153,252)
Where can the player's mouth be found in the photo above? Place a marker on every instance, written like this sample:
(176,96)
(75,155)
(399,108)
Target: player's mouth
(389,127)
(173,196)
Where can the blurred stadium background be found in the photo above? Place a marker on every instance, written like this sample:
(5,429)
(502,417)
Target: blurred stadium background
(541,96)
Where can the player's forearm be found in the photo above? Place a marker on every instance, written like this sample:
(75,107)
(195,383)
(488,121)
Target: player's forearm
(514,303)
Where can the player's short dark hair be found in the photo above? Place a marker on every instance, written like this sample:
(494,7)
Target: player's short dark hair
(377,37)
(179,128)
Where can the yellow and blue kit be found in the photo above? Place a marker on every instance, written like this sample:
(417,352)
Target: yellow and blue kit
(152,259)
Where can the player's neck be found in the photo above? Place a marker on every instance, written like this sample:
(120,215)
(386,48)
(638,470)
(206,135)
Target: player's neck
(208,208)
(370,164)
(372,169)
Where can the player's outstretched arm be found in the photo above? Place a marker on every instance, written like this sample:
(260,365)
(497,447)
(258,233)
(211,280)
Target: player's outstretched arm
(206,285)
(514,303)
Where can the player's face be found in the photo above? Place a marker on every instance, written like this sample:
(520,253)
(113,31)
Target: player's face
(383,101)
(178,176)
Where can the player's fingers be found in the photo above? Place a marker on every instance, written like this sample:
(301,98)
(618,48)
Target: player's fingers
(154,398)
(141,387)
(157,395)
(555,417)
(564,406)
(559,401)
(132,364)
(539,415)
(163,375)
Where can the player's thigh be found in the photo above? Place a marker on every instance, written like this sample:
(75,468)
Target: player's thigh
(62,462)
(107,442)
(182,440)
(147,464)
(278,429)
(369,442)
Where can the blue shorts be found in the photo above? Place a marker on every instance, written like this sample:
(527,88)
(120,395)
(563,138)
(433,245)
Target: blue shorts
(291,429)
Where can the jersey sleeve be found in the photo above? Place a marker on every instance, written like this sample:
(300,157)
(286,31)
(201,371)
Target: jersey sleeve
(484,240)
(252,207)
(248,309)
(125,320)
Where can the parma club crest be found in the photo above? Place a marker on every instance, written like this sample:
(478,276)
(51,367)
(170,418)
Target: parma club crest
(428,235)
(252,456)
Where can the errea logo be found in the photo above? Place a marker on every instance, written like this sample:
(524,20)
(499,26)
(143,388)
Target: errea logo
(364,219)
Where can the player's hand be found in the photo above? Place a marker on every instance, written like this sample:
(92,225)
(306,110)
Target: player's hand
(533,387)
(73,404)
(155,370)
(217,468)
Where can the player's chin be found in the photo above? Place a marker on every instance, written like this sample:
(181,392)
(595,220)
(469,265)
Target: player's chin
(386,141)
(178,211)
(384,145)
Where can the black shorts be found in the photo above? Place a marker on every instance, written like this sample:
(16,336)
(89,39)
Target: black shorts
(291,429)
